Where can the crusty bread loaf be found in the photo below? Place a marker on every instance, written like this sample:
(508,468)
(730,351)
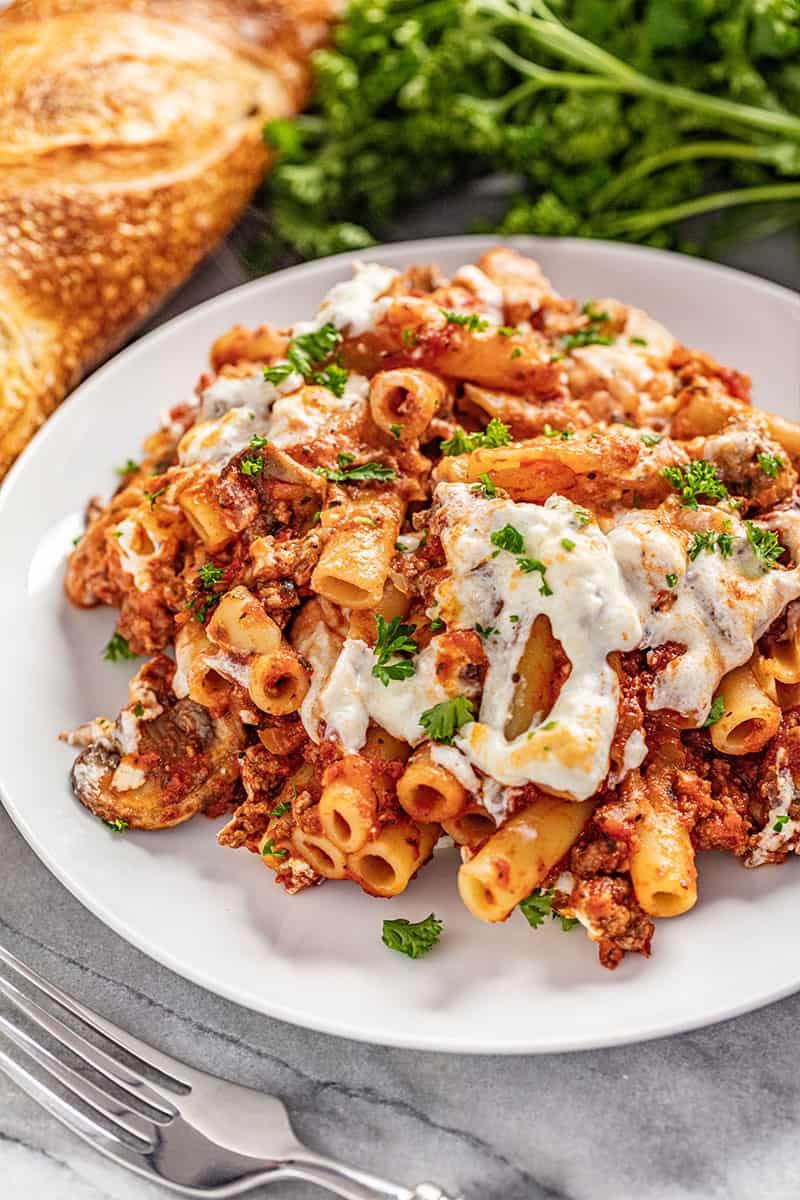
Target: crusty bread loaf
(130,141)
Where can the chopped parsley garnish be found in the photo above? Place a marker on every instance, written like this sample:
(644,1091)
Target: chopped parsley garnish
(638,341)
(715,713)
(486,488)
(409,337)
(514,617)
(443,720)
(117,648)
(582,515)
(470,321)
(280,809)
(529,565)
(495,434)
(118,825)
(539,905)
(651,439)
(770,464)
(506,331)
(411,938)
(550,725)
(485,631)
(549,432)
(709,540)
(508,538)
(765,545)
(138,709)
(590,335)
(436,624)
(698,478)
(251,464)
(780,821)
(116,534)
(371,472)
(153,496)
(671,580)
(128,467)
(268,850)
(209,575)
(257,442)
(393,639)
(395,430)
(568,544)
(307,352)
(516,352)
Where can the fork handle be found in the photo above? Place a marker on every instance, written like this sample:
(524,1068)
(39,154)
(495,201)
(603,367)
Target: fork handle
(352,1184)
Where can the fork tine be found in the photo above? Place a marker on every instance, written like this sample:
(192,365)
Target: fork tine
(115,1111)
(173,1070)
(131,1083)
(96,1135)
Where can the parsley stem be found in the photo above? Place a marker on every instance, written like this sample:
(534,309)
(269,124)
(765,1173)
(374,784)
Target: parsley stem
(548,32)
(643,222)
(542,77)
(687,152)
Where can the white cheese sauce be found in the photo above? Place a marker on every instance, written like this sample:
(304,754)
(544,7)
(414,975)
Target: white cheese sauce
(303,416)
(352,696)
(320,648)
(567,749)
(229,665)
(354,305)
(718,608)
(771,841)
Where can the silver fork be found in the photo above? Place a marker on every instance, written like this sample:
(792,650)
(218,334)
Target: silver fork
(196,1134)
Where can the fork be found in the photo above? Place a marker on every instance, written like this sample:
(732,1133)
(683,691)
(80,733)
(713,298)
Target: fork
(194,1133)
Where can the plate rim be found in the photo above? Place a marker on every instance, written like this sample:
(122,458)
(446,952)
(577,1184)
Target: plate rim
(436,1043)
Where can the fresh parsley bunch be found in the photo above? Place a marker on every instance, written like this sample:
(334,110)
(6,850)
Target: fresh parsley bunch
(619,117)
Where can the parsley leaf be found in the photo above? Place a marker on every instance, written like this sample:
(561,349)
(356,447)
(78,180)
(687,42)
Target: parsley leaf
(568,544)
(209,575)
(698,478)
(409,337)
(251,464)
(393,638)
(651,439)
(257,442)
(268,850)
(709,540)
(528,565)
(770,464)
(485,631)
(671,580)
(508,538)
(537,906)
(765,545)
(334,378)
(411,938)
(278,372)
(495,434)
(138,709)
(153,496)
(127,468)
(280,809)
(470,321)
(780,821)
(395,430)
(715,713)
(549,432)
(486,488)
(586,337)
(308,351)
(638,341)
(118,825)
(371,472)
(436,624)
(117,648)
(443,720)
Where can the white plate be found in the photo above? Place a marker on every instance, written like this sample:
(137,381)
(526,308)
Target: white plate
(214,915)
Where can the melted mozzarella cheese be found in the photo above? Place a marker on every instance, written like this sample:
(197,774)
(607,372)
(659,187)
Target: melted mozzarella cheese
(135,564)
(303,416)
(457,764)
(658,340)
(213,443)
(566,750)
(354,305)
(625,372)
(718,609)
(320,647)
(352,696)
(771,841)
(229,665)
(485,290)
(251,391)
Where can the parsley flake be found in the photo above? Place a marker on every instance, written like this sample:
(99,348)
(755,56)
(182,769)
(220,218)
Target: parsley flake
(485,631)
(671,580)
(539,905)
(529,565)
(138,709)
(280,809)
(780,821)
(268,850)
(568,544)
(118,825)
(709,540)
(508,538)
(495,434)
(638,341)
(409,337)
(370,472)
(715,713)
(117,648)
(770,464)
(251,464)
(258,443)
(128,467)
(651,439)
(153,496)
(469,321)
(486,488)
(395,430)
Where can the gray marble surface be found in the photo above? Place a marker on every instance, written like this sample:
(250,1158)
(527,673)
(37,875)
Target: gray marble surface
(712,1115)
